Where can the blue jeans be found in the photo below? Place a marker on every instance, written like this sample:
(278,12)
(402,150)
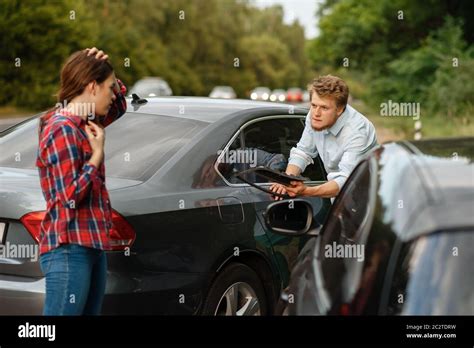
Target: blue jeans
(75,280)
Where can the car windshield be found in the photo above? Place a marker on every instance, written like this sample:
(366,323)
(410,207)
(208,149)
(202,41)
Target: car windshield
(137,145)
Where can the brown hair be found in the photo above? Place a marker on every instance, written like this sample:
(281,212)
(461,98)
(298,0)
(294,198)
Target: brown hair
(331,86)
(77,72)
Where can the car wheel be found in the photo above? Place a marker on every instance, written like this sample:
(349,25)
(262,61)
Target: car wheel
(237,290)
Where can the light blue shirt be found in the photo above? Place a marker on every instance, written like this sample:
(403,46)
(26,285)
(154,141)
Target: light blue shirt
(340,147)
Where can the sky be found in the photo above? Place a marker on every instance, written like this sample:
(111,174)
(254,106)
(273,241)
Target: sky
(303,10)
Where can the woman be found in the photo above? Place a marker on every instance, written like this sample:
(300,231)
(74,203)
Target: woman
(74,233)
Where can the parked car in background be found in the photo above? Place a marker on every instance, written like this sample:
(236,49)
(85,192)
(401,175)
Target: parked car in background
(223,92)
(151,87)
(294,95)
(398,239)
(260,93)
(188,236)
(278,95)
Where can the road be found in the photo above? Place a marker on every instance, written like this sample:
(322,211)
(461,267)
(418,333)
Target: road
(8,122)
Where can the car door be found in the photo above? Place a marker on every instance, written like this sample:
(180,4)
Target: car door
(351,254)
(345,275)
(267,141)
(432,275)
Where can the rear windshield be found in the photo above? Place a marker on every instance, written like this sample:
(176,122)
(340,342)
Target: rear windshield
(137,145)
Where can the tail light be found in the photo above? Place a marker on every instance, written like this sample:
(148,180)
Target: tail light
(32,222)
(121,235)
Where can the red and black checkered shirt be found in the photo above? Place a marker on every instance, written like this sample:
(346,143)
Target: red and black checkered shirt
(78,209)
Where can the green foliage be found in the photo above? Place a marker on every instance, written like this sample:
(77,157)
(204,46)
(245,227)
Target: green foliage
(402,50)
(438,74)
(193,44)
(35,38)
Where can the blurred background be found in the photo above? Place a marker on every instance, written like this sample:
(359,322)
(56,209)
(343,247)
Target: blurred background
(402,51)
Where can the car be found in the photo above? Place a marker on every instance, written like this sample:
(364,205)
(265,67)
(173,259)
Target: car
(151,87)
(223,92)
(306,97)
(278,95)
(188,236)
(260,93)
(294,95)
(398,239)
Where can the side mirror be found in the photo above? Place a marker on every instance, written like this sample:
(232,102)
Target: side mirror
(292,217)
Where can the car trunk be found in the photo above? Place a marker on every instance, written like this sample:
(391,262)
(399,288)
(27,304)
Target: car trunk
(20,194)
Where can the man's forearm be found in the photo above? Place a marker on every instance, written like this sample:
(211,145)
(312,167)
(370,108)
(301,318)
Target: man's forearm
(327,190)
(291,169)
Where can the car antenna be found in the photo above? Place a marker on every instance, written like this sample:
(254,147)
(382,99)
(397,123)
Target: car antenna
(137,100)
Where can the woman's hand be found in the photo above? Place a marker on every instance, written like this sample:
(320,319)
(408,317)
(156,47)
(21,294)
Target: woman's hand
(99,54)
(96,136)
(278,188)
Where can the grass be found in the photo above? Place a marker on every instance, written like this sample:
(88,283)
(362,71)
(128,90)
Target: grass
(14,112)
(433,126)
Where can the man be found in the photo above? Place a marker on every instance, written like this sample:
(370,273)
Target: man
(334,130)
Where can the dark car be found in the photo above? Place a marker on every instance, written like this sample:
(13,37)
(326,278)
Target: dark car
(188,236)
(399,238)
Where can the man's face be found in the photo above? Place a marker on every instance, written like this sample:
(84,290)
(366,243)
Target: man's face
(324,112)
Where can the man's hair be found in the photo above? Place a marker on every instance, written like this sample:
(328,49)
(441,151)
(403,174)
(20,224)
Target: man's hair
(331,86)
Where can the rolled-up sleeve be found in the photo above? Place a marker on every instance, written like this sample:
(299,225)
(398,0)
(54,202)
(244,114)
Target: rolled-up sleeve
(118,107)
(354,151)
(302,155)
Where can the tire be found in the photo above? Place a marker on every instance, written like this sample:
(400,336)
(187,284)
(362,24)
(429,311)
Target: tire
(237,290)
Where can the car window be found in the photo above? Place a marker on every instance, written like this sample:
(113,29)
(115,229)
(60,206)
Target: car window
(266,143)
(350,207)
(433,276)
(137,144)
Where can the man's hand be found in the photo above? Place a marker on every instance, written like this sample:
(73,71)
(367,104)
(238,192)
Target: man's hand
(297,188)
(281,189)
(99,54)
(278,188)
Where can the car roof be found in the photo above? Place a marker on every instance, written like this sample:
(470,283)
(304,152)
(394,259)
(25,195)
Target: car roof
(444,158)
(423,188)
(198,108)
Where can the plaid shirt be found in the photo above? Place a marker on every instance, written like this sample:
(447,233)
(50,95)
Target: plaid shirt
(78,208)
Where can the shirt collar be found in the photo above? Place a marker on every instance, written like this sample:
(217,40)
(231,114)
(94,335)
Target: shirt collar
(78,120)
(336,127)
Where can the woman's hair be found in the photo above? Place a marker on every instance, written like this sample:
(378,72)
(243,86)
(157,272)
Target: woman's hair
(77,72)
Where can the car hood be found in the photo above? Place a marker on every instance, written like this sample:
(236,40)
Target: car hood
(20,191)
